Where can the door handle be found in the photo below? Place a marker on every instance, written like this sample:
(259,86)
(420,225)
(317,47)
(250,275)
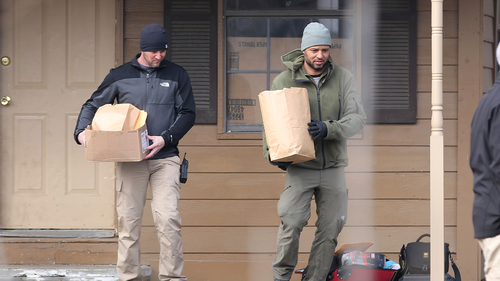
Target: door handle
(5,100)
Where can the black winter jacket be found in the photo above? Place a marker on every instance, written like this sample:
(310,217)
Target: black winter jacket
(165,94)
(485,164)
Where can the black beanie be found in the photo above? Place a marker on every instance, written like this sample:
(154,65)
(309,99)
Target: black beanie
(153,38)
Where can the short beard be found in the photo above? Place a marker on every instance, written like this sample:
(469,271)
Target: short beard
(150,63)
(315,67)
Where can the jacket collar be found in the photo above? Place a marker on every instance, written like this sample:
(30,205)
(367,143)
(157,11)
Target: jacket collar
(294,61)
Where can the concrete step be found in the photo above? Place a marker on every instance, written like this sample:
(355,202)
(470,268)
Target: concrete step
(64,272)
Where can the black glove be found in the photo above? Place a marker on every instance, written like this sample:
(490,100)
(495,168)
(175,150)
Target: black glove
(282,165)
(317,129)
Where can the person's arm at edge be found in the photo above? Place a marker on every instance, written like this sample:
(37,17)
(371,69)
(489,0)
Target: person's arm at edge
(494,144)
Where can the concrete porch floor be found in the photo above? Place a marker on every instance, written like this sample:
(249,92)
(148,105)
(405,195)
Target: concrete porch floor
(63,272)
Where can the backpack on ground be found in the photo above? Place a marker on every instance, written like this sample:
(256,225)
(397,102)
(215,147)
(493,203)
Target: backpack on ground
(414,259)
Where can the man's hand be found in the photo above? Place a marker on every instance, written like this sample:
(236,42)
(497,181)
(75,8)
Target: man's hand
(282,165)
(81,139)
(317,129)
(158,143)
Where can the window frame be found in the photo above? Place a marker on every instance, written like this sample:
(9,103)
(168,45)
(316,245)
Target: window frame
(292,14)
(407,116)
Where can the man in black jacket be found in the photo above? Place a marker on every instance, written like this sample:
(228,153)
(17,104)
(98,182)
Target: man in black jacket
(163,90)
(485,164)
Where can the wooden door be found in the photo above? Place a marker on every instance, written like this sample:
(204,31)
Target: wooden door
(55,53)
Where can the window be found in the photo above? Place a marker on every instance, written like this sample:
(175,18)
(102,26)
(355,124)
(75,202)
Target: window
(258,33)
(389,86)
(191,27)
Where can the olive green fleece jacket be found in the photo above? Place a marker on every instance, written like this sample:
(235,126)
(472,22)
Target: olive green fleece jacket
(334,101)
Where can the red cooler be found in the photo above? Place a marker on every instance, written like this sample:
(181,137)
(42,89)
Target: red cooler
(362,273)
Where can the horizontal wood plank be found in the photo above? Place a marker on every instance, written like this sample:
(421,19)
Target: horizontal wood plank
(361,159)
(150,6)
(269,185)
(488,78)
(233,186)
(246,213)
(450,105)
(489,54)
(448,5)
(489,31)
(424,54)
(450,24)
(450,78)
(489,8)
(263,239)
(396,185)
(381,134)
(404,134)
(134,22)
(397,158)
(130,49)
(57,251)
(202,134)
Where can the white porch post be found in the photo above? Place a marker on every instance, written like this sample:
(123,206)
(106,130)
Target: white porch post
(437,146)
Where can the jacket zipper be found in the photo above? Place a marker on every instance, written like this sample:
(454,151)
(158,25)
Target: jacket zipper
(340,109)
(321,120)
(147,85)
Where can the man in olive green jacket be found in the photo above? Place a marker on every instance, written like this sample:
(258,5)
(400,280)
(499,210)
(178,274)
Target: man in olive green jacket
(336,114)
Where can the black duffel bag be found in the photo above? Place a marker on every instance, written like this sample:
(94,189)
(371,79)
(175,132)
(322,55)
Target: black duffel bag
(415,259)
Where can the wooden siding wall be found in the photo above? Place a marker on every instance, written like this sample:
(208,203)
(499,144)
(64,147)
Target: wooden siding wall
(470,88)
(489,43)
(228,205)
(138,14)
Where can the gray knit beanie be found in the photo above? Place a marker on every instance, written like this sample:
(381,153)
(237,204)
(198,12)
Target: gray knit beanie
(153,38)
(315,34)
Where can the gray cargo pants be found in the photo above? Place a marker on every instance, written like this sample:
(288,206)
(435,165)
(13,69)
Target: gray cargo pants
(294,208)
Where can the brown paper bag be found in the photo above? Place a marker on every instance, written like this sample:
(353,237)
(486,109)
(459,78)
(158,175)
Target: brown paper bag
(285,114)
(118,117)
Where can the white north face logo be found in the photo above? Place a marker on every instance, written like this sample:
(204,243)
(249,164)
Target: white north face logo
(164,84)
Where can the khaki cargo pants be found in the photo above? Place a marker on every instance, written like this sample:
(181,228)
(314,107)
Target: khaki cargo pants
(131,186)
(294,208)
(491,247)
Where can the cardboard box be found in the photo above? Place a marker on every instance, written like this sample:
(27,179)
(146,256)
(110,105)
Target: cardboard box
(242,102)
(117,134)
(243,51)
(246,53)
(357,246)
(116,146)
